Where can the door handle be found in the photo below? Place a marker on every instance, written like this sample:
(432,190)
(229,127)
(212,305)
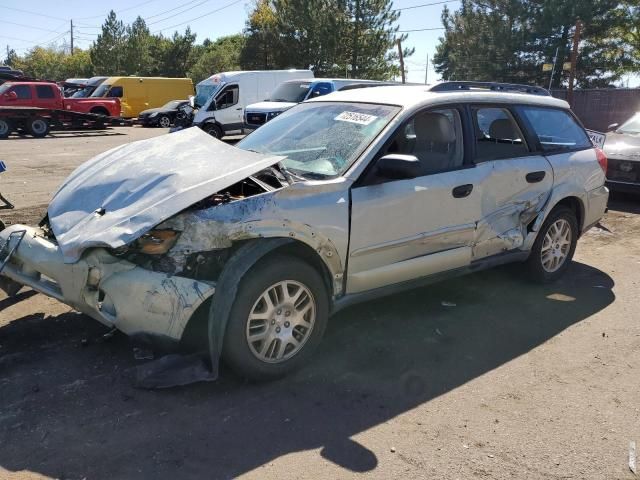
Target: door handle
(535,177)
(462,191)
(239,108)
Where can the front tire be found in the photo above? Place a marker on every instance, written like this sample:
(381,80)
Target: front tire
(277,319)
(164,121)
(214,130)
(554,247)
(5,128)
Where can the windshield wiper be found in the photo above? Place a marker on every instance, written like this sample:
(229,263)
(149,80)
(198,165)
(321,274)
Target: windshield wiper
(291,177)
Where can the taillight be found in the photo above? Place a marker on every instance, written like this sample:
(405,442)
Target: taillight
(602,160)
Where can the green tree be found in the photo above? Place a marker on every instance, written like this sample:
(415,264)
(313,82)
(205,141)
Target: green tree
(108,52)
(54,64)
(11,59)
(137,60)
(263,47)
(509,40)
(219,56)
(176,54)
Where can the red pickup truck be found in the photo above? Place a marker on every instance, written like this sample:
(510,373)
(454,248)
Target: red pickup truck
(48,95)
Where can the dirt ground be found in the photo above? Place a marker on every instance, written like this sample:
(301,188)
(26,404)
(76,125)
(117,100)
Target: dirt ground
(484,376)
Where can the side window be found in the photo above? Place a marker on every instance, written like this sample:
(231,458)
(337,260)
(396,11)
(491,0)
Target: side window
(556,129)
(22,91)
(497,135)
(44,91)
(115,92)
(320,89)
(228,97)
(433,137)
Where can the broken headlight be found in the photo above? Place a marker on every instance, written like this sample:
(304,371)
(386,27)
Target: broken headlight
(157,242)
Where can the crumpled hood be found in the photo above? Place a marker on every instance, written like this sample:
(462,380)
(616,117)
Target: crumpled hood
(118,195)
(265,107)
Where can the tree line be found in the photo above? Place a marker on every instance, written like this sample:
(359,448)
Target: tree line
(510,40)
(355,38)
(491,40)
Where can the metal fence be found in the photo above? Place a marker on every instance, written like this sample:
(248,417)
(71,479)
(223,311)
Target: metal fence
(599,108)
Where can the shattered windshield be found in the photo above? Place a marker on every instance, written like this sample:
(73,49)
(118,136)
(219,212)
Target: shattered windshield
(101,90)
(84,92)
(204,92)
(631,126)
(294,92)
(321,139)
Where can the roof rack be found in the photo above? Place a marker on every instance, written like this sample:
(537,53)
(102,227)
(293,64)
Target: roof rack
(493,86)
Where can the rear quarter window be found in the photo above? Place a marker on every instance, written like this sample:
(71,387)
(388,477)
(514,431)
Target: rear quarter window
(44,91)
(556,129)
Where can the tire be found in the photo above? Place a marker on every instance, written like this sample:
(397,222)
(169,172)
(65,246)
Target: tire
(242,344)
(38,127)
(548,260)
(164,121)
(6,128)
(212,129)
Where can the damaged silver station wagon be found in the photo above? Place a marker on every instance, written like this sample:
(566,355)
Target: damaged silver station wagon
(343,198)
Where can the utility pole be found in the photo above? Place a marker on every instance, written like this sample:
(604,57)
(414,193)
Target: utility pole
(426,71)
(574,60)
(553,70)
(71,36)
(401,59)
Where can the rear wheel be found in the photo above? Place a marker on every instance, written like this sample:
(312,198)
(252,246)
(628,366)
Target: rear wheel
(554,247)
(213,130)
(5,128)
(38,127)
(164,121)
(277,320)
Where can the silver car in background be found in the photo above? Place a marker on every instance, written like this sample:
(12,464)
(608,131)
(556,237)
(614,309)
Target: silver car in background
(622,148)
(339,199)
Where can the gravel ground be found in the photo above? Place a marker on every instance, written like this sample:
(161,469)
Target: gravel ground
(511,380)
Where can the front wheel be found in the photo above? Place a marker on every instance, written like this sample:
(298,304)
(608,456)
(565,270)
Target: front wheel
(554,247)
(164,121)
(277,320)
(5,128)
(213,130)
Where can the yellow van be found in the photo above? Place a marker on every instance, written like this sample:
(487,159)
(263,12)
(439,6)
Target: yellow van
(140,93)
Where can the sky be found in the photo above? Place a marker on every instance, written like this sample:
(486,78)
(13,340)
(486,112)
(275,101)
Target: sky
(43,22)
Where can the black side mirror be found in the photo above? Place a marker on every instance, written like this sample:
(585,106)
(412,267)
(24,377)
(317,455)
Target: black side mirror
(612,127)
(398,166)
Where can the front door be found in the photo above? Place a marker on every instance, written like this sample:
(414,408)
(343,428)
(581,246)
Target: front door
(405,229)
(228,112)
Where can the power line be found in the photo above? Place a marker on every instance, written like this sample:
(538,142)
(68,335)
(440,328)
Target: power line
(175,8)
(33,13)
(425,5)
(421,30)
(199,17)
(29,26)
(119,11)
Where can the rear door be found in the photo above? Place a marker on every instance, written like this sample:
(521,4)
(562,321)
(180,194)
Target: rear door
(46,97)
(519,183)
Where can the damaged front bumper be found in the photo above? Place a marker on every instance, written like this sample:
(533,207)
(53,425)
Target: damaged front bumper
(109,289)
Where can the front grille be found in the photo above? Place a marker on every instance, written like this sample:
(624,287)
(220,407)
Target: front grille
(623,170)
(256,118)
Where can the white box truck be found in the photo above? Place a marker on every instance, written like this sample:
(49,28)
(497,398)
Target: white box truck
(221,98)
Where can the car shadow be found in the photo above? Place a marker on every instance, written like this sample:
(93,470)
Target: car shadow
(624,202)
(69,410)
(85,133)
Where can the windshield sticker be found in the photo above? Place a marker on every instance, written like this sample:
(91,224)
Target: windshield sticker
(355,117)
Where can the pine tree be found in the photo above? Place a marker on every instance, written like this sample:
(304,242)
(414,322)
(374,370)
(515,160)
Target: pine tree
(108,53)
(137,60)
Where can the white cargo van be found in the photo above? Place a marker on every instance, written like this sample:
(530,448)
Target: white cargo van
(221,98)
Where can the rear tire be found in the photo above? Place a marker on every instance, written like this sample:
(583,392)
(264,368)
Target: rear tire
(38,127)
(6,127)
(554,247)
(264,339)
